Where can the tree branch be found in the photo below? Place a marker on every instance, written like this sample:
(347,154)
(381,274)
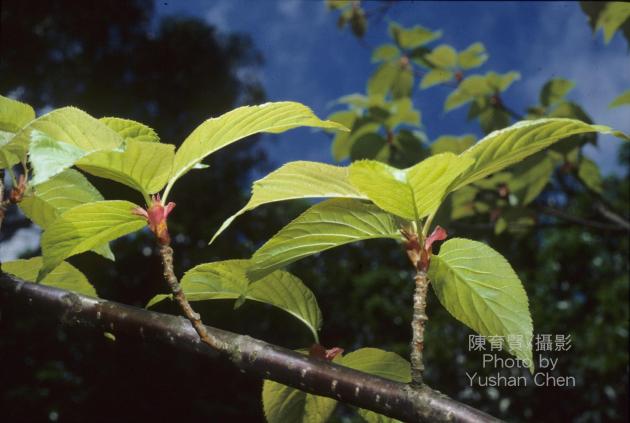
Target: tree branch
(166,253)
(268,361)
(417,327)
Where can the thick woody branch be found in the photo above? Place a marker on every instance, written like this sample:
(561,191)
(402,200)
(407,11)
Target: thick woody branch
(265,360)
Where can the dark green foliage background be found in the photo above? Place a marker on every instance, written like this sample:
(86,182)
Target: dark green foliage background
(109,59)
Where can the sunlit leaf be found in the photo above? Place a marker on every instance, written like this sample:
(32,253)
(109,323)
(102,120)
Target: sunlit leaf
(228,280)
(68,125)
(409,38)
(480,289)
(46,201)
(452,144)
(385,52)
(589,174)
(435,77)
(298,180)
(143,166)
(555,90)
(503,148)
(14,114)
(612,17)
(443,57)
(620,100)
(326,225)
(531,176)
(383,79)
(474,56)
(410,193)
(65,276)
(216,133)
(84,227)
(131,130)
(50,157)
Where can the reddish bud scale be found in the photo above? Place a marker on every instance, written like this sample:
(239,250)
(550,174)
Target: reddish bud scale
(156,215)
(318,351)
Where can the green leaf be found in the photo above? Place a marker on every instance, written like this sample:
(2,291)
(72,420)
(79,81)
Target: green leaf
(385,52)
(435,77)
(383,79)
(297,180)
(326,225)
(403,83)
(46,201)
(452,144)
(50,157)
(14,114)
(621,100)
(500,83)
(143,166)
(410,38)
(362,127)
(480,289)
(67,125)
(468,89)
(65,276)
(503,148)
(216,133)
(84,227)
(473,57)
(589,174)
(379,363)
(612,17)
(402,112)
(492,119)
(443,57)
(555,90)
(370,146)
(131,130)
(283,404)
(410,193)
(531,176)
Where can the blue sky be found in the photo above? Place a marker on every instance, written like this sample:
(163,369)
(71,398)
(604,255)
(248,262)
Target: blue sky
(308,59)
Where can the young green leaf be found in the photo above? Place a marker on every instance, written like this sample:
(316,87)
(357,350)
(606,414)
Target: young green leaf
(620,100)
(14,114)
(589,174)
(64,276)
(435,77)
(452,144)
(443,57)
(531,176)
(555,90)
(326,225)
(143,166)
(297,180)
(615,13)
(46,201)
(383,79)
(505,147)
(70,126)
(410,38)
(410,193)
(283,404)
(473,57)
(480,289)
(50,157)
(131,130)
(228,280)
(84,227)
(239,123)
(379,363)
(385,52)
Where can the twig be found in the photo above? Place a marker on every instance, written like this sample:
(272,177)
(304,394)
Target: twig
(417,327)
(319,377)
(579,220)
(166,253)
